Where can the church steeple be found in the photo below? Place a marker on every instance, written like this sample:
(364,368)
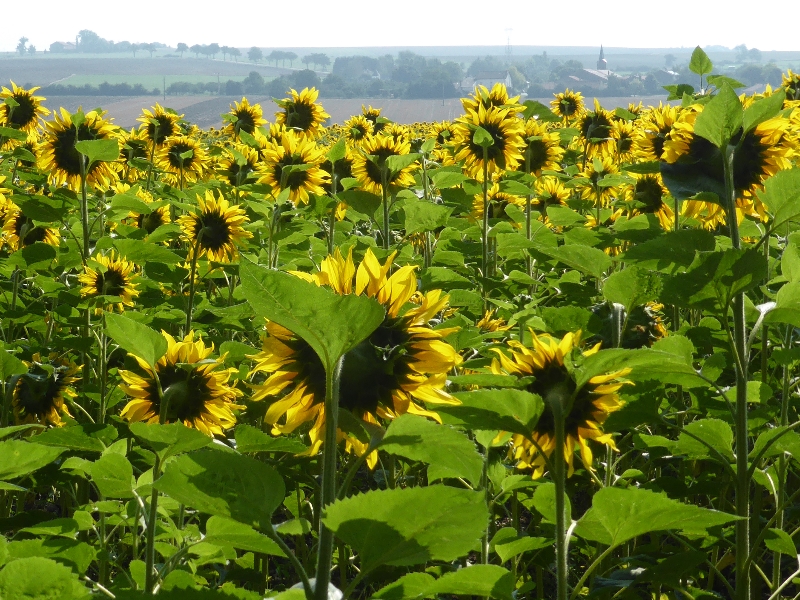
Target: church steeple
(602,65)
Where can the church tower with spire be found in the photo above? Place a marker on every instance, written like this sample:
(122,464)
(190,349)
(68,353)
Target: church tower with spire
(602,64)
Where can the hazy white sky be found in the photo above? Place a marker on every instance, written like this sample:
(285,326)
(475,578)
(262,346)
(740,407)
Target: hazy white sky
(307,23)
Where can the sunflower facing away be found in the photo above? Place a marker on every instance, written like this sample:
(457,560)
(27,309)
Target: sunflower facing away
(39,394)
(370,173)
(159,124)
(399,369)
(182,159)
(28,111)
(20,231)
(506,130)
(62,160)
(293,163)
(302,113)
(113,276)
(215,228)
(591,404)
(200,396)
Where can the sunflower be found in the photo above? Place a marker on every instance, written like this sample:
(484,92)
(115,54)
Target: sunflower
(595,132)
(550,191)
(644,325)
(294,164)
(542,150)
(497,97)
(182,159)
(506,131)
(159,124)
(370,162)
(150,221)
(373,115)
(134,146)
(357,127)
(39,394)
(238,163)
(498,202)
(764,151)
(215,228)
(19,230)
(568,105)
(590,405)
(651,197)
(244,117)
(302,113)
(595,170)
(652,130)
(622,132)
(399,133)
(490,324)
(62,160)
(790,82)
(200,396)
(114,276)
(28,111)
(404,361)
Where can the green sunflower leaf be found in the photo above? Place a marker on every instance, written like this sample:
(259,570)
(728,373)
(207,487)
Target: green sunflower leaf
(10,365)
(515,411)
(113,476)
(700,63)
(38,577)
(337,151)
(721,118)
(331,324)
(618,515)
(449,453)
(169,440)
(632,287)
(389,527)
(487,581)
(227,532)
(18,458)
(13,134)
(425,216)
(225,485)
(762,110)
(99,150)
(781,196)
(482,138)
(136,338)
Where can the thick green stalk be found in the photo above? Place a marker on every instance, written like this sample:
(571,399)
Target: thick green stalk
(741,365)
(151,576)
(485,223)
(192,276)
(328,490)
(487,497)
(385,203)
(560,478)
(780,499)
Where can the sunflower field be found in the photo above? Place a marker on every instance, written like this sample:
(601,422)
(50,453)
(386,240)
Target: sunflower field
(536,352)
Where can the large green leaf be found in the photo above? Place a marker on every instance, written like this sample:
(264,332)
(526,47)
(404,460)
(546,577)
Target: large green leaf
(18,458)
(425,216)
(516,411)
(10,365)
(169,440)
(700,63)
(250,440)
(618,515)
(781,196)
(585,259)
(763,109)
(409,526)
(631,287)
(329,323)
(449,453)
(671,252)
(74,554)
(38,578)
(99,150)
(714,432)
(225,485)
(136,338)
(85,438)
(721,118)
(487,581)
(227,532)
(113,475)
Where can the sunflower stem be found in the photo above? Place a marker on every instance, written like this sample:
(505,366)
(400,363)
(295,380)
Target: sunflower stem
(151,575)
(560,478)
(385,204)
(101,416)
(487,498)
(328,489)
(192,276)
(485,224)
(741,365)
(152,155)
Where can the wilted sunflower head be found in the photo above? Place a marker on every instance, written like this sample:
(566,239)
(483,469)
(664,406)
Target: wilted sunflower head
(568,105)
(497,96)
(20,109)
(401,367)
(585,409)
(237,164)
(61,158)
(112,276)
(542,150)
(302,113)
(214,229)
(245,117)
(39,394)
(371,166)
(19,230)
(182,159)
(294,164)
(194,389)
(506,131)
(159,124)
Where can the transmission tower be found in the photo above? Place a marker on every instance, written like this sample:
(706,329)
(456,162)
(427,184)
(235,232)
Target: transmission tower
(508,43)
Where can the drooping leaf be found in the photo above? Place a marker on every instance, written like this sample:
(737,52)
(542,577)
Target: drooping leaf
(224,485)
(329,323)
(169,440)
(388,527)
(136,338)
(449,453)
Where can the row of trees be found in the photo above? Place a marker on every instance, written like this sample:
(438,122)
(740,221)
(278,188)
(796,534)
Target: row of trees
(23,48)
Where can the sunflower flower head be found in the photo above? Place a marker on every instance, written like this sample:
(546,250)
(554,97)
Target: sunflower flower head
(302,113)
(182,159)
(20,230)
(112,276)
(568,105)
(159,124)
(293,164)
(586,409)
(371,165)
(214,229)
(405,361)
(506,131)
(497,96)
(187,385)
(20,109)
(39,395)
(542,150)
(244,117)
